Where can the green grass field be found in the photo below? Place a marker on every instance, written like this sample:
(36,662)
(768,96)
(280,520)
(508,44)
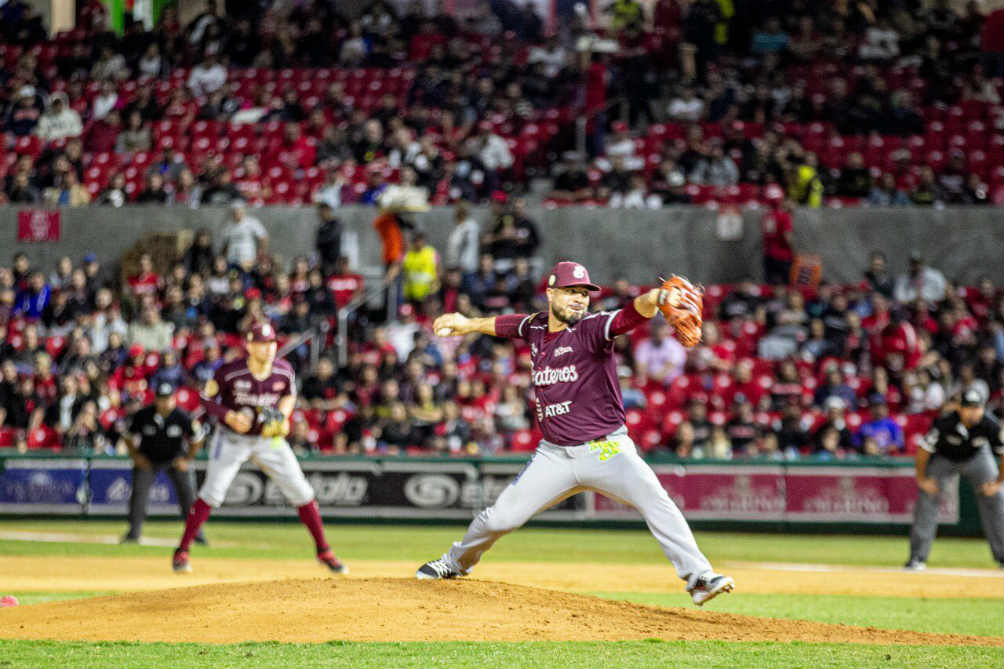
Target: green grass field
(619,548)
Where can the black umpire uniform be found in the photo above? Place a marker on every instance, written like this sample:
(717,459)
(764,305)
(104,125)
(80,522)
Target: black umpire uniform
(161,437)
(964,441)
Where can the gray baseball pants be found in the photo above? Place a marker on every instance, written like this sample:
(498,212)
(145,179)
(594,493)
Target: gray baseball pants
(610,466)
(979,469)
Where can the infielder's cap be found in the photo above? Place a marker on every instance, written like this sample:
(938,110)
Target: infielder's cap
(972,398)
(567,273)
(165,389)
(261,332)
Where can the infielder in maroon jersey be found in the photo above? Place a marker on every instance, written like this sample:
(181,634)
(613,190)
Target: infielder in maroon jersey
(581,415)
(239,396)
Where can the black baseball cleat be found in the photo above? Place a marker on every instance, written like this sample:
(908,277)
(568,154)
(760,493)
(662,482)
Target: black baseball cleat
(329,560)
(915,564)
(201,539)
(436,569)
(705,588)
(129,539)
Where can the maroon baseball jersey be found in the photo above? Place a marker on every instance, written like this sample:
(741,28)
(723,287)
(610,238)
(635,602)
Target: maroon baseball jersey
(235,388)
(574,378)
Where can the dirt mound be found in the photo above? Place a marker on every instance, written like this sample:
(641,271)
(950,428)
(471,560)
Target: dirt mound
(398,609)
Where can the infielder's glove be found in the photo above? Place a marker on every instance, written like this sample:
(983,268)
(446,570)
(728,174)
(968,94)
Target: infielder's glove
(273,422)
(686,317)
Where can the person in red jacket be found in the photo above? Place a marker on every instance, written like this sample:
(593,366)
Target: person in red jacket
(778,252)
(102,135)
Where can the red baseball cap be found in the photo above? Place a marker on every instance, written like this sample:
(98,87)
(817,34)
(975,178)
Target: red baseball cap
(567,273)
(261,332)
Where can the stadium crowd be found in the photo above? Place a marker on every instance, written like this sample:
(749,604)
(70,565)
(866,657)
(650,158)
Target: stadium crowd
(831,371)
(878,103)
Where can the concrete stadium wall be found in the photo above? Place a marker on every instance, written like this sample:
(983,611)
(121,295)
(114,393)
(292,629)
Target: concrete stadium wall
(966,243)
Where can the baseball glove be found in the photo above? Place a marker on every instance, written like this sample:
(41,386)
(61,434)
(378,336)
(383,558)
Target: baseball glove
(273,422)
(686,316)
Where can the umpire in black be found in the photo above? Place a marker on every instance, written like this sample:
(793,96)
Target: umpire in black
(965,441)
(161,437)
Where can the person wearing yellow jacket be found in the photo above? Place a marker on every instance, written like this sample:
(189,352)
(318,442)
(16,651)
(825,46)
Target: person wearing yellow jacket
(421,270)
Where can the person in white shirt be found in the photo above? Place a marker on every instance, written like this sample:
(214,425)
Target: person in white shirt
(921,282)
(59,121)
(242,238)
(881,42)
(551,55)
(207,77)
(152,63)
(462,245)
(105,101)
(687,106)
(495,154)
(330,192)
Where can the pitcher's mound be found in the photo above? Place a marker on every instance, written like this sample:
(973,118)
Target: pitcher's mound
(394,609)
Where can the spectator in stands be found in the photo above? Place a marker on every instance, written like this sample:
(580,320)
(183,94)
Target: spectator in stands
(103,133)
(660,357)
(686,106)
(886,193)
(855,179)
(715,169)
(68,192)
(150,331)
(778,238)
(154,191)
(881,435)
(835,386)
(135,136)
(877,275)
(420,270)
(59,121)
(328,240)
(835,420)
(21,190)
(926,192)
(881,42)
(207,77)
(114,194)
(110,66)
(462,248)
(24,112)
(330,192)
(32,300)
(742,429)
(243,238)
(920,282)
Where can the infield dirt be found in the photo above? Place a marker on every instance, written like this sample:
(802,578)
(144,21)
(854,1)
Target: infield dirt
(228,601)
(402,609)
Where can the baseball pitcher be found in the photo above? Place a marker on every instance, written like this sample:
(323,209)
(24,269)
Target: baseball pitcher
(581,415)
(251,399)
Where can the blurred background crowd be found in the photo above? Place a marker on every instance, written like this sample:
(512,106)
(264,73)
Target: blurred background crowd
(674,101)
(820,371)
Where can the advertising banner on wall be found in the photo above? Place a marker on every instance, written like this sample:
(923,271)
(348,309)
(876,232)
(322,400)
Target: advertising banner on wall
(457,489)
(43,486)
(879,495)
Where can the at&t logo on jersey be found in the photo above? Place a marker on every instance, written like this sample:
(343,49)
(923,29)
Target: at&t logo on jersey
(551,375)
(557,409)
